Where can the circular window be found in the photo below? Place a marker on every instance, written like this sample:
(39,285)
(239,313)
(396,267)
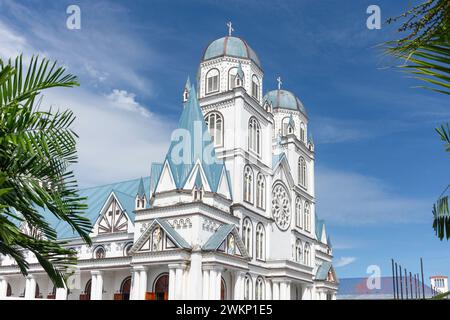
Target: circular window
(281,207)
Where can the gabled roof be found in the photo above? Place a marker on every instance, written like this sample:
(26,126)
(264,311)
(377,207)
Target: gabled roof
(322,271)
(182,165)
(221,234)
(167,228)
(141,189)
(125,191)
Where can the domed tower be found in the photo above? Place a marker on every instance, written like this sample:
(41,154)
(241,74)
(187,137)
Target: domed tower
(229,81)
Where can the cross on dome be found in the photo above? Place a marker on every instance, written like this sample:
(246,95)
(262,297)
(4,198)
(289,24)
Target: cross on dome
(230,28)
(279,83)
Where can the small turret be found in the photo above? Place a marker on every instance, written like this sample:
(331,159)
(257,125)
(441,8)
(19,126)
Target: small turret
(141,199)
(187,90)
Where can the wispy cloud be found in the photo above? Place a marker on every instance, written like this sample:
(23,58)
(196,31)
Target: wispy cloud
(349,198)
(126,101)
(344,261)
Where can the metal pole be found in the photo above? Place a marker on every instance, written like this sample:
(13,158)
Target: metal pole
(416,276)
(393,279)
(396,280)
(401,283)
(406,283)
(410,285)
(423,282)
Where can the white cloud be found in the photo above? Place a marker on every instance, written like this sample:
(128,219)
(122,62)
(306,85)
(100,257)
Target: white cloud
(348,198)
(114,144)
(127,101)
(344,261)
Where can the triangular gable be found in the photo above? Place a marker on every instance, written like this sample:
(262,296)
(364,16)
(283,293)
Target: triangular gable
(218,241)
(224,185)
(174,236)
(283,171)
(109,221)
(326,272)
(196,174)
(166,181)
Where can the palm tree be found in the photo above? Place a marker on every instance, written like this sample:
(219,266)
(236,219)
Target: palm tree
(425,52)
(37,149)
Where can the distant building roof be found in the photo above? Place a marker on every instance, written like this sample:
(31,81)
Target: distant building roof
(357,288)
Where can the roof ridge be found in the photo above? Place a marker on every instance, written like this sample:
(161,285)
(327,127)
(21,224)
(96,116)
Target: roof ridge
(112,183)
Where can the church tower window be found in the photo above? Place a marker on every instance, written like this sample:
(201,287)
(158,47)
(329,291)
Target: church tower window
(247,287)
(261,192)
(214,122)
(234,80)
(212,81)
(248,184)
(307,217)
(307,255)
(259,290)
(298,250)
(260,242)
(298,213)
(254,136)
(302,171)
(255,87)
(302,132)
(247,235)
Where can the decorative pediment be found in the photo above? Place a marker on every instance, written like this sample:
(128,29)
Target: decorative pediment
(197,177)
(113,215)
(226,239)
(282,172)
(159,236)
(166,181)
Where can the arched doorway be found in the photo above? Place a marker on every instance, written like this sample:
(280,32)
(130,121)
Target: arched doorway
(125,288)
(37,293)
(86,295)
(9,291)
(162,287)
(223,290)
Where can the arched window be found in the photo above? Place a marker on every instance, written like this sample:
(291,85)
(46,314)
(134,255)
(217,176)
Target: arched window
(255,87)
(212,81)
(307,255)
(99,252)
(233,80)
(302,171)
(214,122)
(161,287)
(8,290)
(87,290)
(261,191)
(247,287)
(286,127)
(298,250)
(248,184)
(260,242)
(247,235)
(125,288)
(259,290)
(302,132)
(298,213)
(254,136)
(307,216)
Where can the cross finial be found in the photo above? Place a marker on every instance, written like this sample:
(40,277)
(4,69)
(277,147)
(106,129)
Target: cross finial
(230,28)
(279,83)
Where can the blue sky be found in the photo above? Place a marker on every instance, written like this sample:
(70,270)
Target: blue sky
(380,165)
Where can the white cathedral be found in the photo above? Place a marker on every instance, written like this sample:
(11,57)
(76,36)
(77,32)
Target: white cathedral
(228,214)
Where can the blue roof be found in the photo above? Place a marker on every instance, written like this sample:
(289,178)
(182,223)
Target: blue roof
(175,236)
(322,271)
(230,46)
(193,122)
(276,158)
(358,287)
(285,100)
(124,191)
(218,237)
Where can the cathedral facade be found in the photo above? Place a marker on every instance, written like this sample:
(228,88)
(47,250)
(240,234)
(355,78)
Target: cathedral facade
(229,213)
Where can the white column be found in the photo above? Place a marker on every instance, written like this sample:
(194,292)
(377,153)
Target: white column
(194,291)
(30,291)
(236,286)
(93,286)
(218,283)
(206,284)
(135,284)
(268,290)
(98,290)
(172,276)
(283,290)
(3,287)
(142,283)
(287,295)
(212,284)
(61,293)
(276,290)
(178,283)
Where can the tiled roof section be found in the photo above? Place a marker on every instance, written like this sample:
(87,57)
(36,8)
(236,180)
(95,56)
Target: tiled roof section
(218,237)
(125,191)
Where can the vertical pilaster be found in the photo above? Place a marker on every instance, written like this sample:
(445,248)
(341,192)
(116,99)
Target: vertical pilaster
(30,288)
(206,284)
(172,280)
(3,287)
(276,290)
(135,284)
(142,283)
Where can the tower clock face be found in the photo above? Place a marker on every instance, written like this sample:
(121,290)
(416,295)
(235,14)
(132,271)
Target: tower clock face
(281,211)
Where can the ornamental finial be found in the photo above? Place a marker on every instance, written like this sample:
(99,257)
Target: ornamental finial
(230,28)
(279,83)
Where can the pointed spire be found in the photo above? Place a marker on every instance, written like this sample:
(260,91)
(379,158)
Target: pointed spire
(187,90)
(141,189)
(240,72)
